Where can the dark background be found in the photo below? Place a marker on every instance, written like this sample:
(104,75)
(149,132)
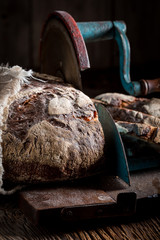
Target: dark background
(21,22)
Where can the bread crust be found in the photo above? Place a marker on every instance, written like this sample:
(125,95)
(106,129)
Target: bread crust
(51,133)
(139,117)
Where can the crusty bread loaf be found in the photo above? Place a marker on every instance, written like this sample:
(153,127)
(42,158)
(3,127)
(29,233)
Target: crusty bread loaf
(51,133)
(144,105)
(140,130)
(139,117)
(129,115)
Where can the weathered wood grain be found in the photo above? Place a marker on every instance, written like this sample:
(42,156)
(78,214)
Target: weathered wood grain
(21,23)
(15,34)
(15,226)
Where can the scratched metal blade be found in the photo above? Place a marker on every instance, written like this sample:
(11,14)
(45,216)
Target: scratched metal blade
(114,148)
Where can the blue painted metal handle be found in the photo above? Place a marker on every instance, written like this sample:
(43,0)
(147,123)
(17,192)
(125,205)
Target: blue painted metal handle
(132,87)
(96,31)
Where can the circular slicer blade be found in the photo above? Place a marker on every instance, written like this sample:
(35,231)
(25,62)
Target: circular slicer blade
(58,52)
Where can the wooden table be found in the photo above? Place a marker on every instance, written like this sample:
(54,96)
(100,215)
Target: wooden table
(15,226)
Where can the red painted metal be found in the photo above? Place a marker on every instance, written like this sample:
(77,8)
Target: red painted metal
(76,36)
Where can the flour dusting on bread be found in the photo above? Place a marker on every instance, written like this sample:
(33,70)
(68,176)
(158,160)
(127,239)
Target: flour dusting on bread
(11,80)
(49,131)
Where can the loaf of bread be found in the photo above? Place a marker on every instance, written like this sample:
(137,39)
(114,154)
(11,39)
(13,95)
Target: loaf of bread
(139,117)
(144,105)
(49,131)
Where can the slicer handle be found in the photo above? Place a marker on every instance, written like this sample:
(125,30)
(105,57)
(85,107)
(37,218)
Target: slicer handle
(131,87)
(106,30)
(150,86)
(96,31)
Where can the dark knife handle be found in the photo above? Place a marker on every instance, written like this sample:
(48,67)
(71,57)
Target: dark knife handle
(150,86)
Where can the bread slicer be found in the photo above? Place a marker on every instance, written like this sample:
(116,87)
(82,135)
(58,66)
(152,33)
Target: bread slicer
(85,198)
(63,53)
(100,196)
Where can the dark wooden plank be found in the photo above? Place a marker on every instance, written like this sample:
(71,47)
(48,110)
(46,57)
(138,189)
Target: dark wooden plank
(14,37)
(21,23)
(23,230)
(15,226)
(143,21)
